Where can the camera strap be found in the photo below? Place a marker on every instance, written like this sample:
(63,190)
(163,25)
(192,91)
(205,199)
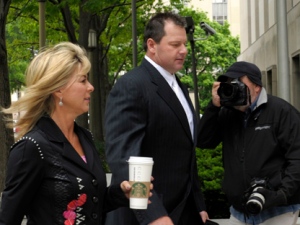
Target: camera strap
(249,96)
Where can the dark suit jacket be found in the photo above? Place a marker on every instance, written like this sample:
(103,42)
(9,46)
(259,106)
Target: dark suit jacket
(45,174)
(145,118)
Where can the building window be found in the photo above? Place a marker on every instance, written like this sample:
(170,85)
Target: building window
(219,12)
(271,80)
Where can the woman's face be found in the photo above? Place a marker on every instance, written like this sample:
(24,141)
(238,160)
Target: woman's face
(76,95)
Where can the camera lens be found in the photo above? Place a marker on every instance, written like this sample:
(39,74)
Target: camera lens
(226,90)
(233,93)
(255,203)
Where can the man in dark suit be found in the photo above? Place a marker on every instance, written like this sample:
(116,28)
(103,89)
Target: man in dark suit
(149,113)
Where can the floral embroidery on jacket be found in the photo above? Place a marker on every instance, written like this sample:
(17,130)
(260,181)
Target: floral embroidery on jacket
(70,214)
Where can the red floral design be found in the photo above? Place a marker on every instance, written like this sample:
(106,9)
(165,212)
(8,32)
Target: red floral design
(70,214)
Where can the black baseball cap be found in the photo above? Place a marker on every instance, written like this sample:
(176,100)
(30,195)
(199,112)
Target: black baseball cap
(242,68)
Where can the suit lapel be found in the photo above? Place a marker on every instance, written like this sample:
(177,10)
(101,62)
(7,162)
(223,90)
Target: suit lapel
(88,147)
(167,94)
(70,154)
(54,134)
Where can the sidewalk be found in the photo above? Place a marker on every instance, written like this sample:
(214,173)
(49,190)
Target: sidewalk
(219,221)
(226,221)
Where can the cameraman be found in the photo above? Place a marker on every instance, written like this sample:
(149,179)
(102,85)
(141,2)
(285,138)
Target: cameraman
(261,140)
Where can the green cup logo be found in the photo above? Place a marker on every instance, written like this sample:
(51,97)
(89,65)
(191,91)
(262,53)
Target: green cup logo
(139,189)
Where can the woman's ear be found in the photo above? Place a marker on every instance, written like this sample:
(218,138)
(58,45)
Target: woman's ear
(57,94)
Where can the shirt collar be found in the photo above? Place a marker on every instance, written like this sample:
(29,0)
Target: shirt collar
(170,78)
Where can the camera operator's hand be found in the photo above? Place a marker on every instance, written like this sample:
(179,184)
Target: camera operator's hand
(272,198)
(215,96)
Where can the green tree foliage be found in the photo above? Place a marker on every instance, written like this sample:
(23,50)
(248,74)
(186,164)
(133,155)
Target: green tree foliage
(210,167)
(118,34)
(22,33)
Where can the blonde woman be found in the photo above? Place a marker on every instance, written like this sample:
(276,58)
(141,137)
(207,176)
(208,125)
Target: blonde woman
(54,174)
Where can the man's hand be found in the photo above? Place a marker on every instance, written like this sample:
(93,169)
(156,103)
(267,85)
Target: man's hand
(272,198)
(165,220)
(215,96)
(204,216)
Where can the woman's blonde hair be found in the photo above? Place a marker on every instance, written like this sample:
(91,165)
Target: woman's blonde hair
(49,71)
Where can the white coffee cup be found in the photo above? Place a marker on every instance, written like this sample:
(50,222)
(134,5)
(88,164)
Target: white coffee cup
(140,170)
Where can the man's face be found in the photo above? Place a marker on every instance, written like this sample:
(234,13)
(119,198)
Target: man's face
(170,53)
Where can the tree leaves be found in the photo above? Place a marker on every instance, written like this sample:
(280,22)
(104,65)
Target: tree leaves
(210,168)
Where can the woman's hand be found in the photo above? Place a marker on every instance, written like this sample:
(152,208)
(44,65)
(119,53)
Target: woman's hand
(126,188)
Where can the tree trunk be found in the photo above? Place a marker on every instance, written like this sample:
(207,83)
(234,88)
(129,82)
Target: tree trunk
(84,25)
(99,79)
(6,135)
(104,87)
(95,119)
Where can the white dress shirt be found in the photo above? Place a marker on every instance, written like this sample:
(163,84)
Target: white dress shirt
(171,80)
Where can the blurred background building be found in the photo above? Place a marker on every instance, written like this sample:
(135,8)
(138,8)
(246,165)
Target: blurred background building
(267,43)
(221,10)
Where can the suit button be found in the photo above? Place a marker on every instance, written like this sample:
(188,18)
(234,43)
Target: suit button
(94,182)
(94,216)
(95,199)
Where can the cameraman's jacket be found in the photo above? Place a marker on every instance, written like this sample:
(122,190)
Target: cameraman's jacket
(266,145)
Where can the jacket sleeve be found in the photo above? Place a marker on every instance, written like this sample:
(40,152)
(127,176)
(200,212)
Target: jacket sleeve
(115,198)
(198,195)
(209,128)
(24,175)
(125,122)
(288,136)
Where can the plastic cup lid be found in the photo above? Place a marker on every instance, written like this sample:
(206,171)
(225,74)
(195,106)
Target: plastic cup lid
(137,159)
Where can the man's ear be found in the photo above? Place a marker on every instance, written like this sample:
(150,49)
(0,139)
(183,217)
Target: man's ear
(257,88)
(151,45)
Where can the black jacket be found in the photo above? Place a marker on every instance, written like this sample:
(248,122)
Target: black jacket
(144,117)
(45,174)
(266,145)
